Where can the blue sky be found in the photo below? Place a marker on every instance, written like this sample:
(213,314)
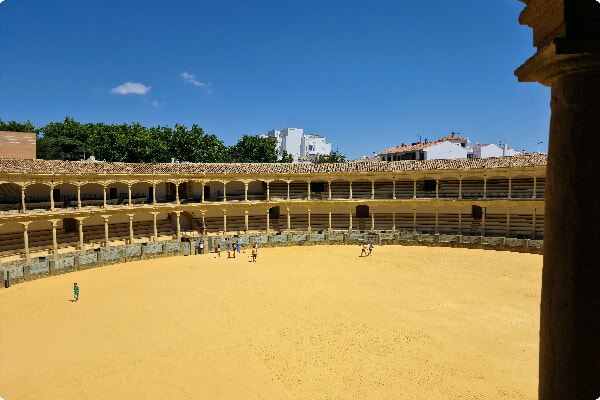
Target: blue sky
(366,75)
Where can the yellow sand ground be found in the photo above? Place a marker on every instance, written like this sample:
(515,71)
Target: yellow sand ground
(302,323)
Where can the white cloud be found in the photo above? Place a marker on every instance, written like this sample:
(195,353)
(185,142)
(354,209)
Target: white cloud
(130,88)
(189,78)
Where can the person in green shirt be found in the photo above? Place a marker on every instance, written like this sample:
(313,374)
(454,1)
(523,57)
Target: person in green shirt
(76,291)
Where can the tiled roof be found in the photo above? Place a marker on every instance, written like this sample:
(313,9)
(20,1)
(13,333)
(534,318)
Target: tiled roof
(418,146)
(43,167)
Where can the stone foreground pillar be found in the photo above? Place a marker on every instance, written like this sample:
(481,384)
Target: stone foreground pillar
(567,35)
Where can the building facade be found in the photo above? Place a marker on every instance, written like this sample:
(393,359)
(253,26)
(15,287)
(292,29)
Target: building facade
(52,205)
(17,145)
(300,145)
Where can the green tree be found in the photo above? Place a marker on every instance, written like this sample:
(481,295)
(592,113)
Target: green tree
(62,140)
(13,126)
(254,149)
(286,157)
(332,157)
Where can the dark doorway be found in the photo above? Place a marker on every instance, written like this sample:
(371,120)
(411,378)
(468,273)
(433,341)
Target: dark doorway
(207,192)
(476,212)
(317,187)
(113,193)
(274,212)
(56,194)
(362,211)
(70,225)
(151,194)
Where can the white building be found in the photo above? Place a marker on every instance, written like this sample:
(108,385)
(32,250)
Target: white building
(300,145)
(446,148)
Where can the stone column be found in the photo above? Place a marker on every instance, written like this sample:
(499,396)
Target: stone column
(414,220)
(350,190)
(288,191)
(104,205)
(460,187)
(176,194)
(393,220)
(268,229)
(373,220)
(78,196)
(202,192)
(51,197)
(534,227)
(308,184)
(246,220)
(485,188)
(534,188)
(131,228)
(54,241)
(129,194)
(437,220)
(268,192)
(329,228)
(246,193)
(308,224)
(155,230)
(372,190)
(507,221)
(460,220)
(393,190)
(567,38)
(329,190)
(177,213)
(509,188)
(350,223)
(154,194)
(224,221)
(414,189)
(106,237)
(26,239)
(483,212)
(437,186)
(224,192)
(289,222)
(23,204)
(80,224)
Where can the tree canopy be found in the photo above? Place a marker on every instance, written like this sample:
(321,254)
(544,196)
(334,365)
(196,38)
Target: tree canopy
(332,157)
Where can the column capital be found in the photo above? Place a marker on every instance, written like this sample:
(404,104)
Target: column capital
(567,36)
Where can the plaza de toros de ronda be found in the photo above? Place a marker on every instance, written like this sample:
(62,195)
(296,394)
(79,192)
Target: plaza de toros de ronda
(48,206)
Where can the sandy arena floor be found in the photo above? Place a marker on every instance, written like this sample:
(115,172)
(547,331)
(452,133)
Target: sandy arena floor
(302,323)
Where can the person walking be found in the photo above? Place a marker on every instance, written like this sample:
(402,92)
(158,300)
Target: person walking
(201,246)
(371,248)
(75,291)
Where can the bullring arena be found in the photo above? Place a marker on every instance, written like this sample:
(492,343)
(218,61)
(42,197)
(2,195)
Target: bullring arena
(429,315)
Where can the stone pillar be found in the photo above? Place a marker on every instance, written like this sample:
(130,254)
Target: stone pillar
(202,192)
(155,230)
(329,190)
(308,184)
(177,213)
(203,223)
(154,194)
(268,228)
(78,196)
(534,188)
(246,220)
(509,188)
(289,226)
(268,192)
(26,239)
(393,220)
(288,191)
(507,222)
(484,210)
(567,38)
(414,220)
(460,187)
(460,220)
(350,190)
(23,204)
(437,220)
(246,194)
(329,221)
(224,221)
(104,205)
(534,227)
(393,190)
(80,224)
(437,186)
(106,237)
(131,228)
(485,188)
(308,224)
(224,192)
(373,220)
(52,198)
(414,189)
(372,190)
(176,194)
(54,241)
(350,223)
(129,195)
